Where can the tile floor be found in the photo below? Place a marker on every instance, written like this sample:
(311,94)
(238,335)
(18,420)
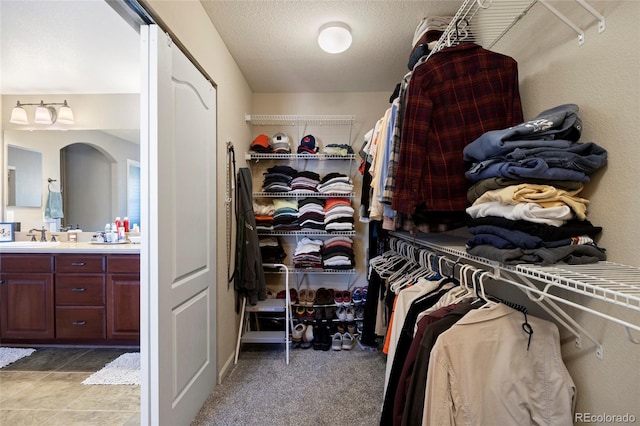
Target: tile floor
(45,389)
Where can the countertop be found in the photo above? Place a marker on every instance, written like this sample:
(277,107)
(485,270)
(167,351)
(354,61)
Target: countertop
(71,247)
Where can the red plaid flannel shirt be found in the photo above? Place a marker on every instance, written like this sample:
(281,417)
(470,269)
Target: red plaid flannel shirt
(454,97)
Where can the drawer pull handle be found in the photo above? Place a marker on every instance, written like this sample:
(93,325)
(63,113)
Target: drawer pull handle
(79,323)
(77,263)
(78,289)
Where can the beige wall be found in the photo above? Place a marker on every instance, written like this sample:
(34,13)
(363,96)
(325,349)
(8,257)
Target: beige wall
(189,22)
(602,77)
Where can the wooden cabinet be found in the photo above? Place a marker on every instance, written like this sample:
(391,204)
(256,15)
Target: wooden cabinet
(70,298)
(26,297)
(80,297)
(123,297)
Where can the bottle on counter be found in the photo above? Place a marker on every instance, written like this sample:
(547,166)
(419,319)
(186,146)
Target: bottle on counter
(125,223)
(107,233)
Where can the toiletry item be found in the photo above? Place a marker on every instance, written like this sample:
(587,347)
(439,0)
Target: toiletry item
(135,228)
(125,223)
(118,222)
(72,236)
(107,233)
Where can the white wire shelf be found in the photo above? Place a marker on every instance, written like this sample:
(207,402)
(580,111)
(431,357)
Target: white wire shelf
(315,157)
(294,270)
(307,194)
(485,22)
(307,233)
(296,120)
(608,282)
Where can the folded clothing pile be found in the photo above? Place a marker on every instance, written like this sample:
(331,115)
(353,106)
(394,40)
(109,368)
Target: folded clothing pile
(337,253)
(285,217)
(311,214)
(278,179)
(307,253)
(335,183)
(525,203)
(338,215)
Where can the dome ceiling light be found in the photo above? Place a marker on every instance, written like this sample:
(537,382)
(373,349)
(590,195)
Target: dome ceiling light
(334,37)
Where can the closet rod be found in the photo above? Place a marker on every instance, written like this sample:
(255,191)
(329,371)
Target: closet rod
(605,281)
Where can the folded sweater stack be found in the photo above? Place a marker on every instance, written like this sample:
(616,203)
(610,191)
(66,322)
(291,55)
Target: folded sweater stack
(525,203)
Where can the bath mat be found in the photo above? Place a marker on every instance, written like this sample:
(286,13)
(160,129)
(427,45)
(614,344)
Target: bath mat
(124,370)
(9,355)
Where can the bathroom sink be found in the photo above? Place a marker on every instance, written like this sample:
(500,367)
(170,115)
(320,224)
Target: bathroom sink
(29,244)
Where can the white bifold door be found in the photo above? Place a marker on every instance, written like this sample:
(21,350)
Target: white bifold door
(178,171)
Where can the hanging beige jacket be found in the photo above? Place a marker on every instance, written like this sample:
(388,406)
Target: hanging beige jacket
(481,373)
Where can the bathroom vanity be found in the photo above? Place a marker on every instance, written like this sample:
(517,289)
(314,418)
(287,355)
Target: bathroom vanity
(70,293)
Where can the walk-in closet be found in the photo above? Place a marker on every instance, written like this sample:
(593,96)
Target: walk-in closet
(435,223)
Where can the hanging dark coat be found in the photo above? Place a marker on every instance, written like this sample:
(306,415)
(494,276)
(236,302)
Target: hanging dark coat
(249,276)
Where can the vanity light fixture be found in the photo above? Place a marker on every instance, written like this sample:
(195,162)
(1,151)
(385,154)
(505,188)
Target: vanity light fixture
(45,113)
(335,37)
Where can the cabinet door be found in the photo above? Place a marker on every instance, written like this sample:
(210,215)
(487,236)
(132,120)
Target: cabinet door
(26,304)
(123,306)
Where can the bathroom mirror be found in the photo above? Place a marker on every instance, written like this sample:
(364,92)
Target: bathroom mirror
(91,168)
(24,174)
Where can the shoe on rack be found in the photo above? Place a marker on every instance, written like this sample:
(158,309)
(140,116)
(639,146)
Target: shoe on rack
(336,343)
(337,298)
(302,297)
(325,337)
(348,341)
(310,314)
(317,344)
(351,315)
(330,312)
(297,332)
(300,313)
(341,312)
(293,295)
(359,312)
(364,294)
(307,337)
(357,295)
(351,328)
(311,297)
(346,298)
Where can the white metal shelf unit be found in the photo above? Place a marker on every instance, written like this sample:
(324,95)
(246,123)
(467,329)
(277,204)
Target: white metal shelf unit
(485,22)
(605,281)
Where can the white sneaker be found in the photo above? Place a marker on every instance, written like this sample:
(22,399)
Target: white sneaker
(350,314)
(348,341)
(342,313)
(336,343)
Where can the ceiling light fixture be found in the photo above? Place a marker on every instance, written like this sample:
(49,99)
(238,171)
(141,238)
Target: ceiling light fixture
(334,37)
(45,113)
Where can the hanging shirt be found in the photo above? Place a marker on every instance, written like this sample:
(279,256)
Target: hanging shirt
(481,373)
(454,97)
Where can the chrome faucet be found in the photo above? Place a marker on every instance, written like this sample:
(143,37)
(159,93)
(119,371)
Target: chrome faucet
(43,234)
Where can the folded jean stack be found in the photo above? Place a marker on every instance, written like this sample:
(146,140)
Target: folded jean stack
(525,204)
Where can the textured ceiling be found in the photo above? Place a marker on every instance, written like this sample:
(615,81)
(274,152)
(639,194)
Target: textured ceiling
(83,46)
(66,46)
(274,42)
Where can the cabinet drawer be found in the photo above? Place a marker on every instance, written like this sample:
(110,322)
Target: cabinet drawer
(26,263)
(80,322)
(76,263)
(123,263)
(80,289)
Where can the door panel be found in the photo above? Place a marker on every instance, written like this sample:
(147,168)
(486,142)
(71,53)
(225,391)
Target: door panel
(179,165)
